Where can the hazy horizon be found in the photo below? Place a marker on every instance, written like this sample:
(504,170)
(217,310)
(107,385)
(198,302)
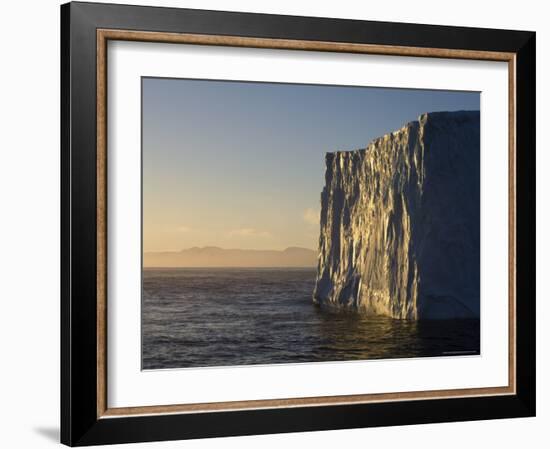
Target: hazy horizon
(229,249)
(214,256)
(240,165)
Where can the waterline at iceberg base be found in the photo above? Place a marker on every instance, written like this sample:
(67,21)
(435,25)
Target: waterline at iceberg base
(400,222)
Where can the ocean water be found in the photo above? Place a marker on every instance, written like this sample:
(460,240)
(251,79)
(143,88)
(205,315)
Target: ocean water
(199,317)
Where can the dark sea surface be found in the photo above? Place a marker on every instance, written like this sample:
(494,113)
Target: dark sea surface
(198,317)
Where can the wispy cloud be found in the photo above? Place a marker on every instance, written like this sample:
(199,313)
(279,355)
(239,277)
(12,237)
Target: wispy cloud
(311,216)
(183,229)
(248,232)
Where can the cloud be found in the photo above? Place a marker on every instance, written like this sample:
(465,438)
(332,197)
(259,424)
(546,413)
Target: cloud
(248,232)
(183,229)
(311,216)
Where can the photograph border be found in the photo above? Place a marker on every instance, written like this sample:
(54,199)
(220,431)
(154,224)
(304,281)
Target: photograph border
(86,29)
(104,36)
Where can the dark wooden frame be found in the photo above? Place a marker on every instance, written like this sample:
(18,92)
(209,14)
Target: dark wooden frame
(86,27)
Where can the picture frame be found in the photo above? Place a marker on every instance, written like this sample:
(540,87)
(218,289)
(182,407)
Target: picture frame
(86,29)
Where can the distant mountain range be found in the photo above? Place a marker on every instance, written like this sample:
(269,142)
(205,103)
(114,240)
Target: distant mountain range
(212,256)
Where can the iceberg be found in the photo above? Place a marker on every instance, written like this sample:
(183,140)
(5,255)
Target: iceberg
(400,222)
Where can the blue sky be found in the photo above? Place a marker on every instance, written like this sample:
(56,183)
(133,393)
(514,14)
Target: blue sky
(241,164)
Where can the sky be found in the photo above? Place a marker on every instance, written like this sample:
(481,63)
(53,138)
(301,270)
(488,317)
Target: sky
(241,164)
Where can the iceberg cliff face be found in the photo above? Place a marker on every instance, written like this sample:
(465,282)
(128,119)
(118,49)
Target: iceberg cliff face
(400,222)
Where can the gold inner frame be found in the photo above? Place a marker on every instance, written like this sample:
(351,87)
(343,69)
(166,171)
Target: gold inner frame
(104,35)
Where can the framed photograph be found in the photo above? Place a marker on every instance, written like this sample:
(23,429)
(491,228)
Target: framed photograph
(282,224)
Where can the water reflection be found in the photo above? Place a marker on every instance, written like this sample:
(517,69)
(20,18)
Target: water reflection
(347,335)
